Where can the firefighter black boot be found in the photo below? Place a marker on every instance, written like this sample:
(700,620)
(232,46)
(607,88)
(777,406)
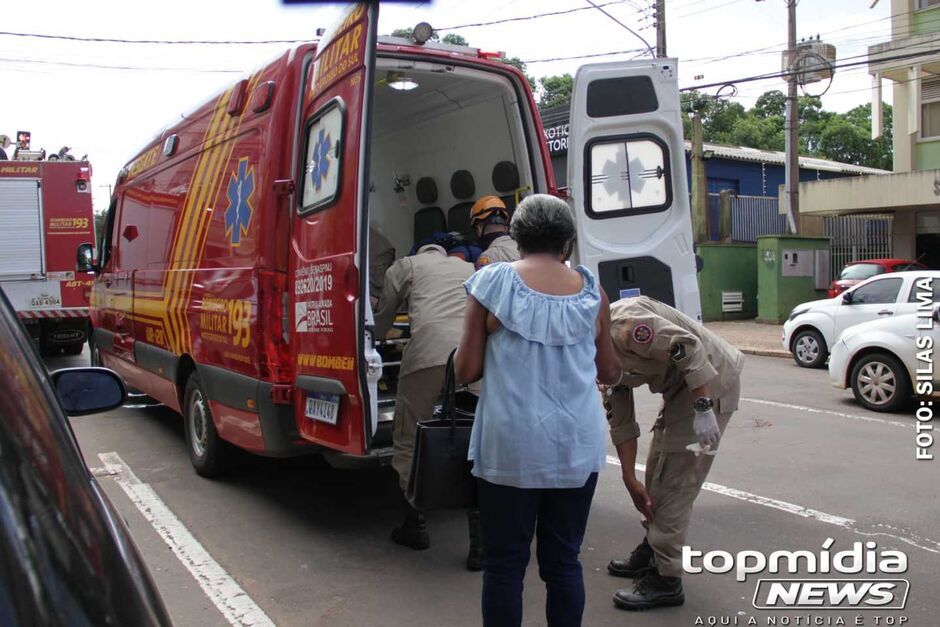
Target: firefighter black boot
(475,555)
(637,565)
(649,591)
(413,531)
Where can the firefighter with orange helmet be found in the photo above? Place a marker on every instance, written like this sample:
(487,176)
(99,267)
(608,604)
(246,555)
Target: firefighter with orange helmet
(489,219)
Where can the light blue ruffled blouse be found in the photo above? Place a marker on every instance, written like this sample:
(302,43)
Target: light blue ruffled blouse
(540,422)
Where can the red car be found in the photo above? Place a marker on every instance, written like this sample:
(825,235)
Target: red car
(858,271)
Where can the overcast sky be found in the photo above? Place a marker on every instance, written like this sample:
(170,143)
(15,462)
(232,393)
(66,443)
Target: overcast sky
(108,99)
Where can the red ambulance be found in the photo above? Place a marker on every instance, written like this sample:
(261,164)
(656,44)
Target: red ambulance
(233,283)
(45,213)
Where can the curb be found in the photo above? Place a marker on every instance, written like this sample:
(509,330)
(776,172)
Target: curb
(764,352)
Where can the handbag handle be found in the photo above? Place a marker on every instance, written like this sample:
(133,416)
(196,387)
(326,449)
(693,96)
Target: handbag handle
(449,394)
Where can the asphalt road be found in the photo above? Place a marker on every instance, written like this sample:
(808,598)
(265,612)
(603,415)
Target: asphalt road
(800,463)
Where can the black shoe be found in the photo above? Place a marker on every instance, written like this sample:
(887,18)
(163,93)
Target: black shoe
(475,555)
(638,564)
(413,531)
(652,590)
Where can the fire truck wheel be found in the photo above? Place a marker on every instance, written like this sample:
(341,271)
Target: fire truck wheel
(207,451)
(75,349)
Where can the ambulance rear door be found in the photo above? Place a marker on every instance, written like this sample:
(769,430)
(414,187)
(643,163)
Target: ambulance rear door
(331,399)
(627,182)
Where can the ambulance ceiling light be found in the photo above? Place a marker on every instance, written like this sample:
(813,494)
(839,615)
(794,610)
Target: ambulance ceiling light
(397,80)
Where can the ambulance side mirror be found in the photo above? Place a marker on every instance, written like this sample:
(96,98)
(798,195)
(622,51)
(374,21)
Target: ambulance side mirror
(84,258)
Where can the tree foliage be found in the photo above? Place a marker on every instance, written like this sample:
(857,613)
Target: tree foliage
(844,137)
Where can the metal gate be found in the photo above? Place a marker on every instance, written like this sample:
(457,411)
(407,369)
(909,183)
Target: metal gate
(858,237)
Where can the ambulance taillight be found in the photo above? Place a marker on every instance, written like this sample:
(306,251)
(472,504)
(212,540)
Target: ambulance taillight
(275,357)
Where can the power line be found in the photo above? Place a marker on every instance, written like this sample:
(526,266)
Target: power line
(122,67)
(586,56)
(624,26)
(200,42)
(785,74)
(527,17)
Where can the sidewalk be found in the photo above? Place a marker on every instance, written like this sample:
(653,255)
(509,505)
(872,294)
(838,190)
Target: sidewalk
(751,337)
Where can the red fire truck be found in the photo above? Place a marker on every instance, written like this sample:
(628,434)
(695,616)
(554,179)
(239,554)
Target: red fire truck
(46,213)
(233,279)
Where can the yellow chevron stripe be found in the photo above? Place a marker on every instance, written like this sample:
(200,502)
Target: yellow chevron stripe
(185,232)
(205,217)
(216,162)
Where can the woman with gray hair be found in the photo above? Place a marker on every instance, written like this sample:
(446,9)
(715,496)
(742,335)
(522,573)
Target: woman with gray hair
(540,332)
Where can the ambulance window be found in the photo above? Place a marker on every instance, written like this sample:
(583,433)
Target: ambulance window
(625,95)
(322,163)
(627,175)
(104,245)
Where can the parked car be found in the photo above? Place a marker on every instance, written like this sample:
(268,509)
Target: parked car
(813,327)
(857,271)
(877,359)
(66,557)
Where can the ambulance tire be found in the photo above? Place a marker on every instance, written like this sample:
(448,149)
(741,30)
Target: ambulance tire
(94,356)
(207,451)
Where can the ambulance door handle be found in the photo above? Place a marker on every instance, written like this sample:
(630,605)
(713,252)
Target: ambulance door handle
(885,312)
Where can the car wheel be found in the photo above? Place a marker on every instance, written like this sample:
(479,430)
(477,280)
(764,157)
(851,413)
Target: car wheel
(880,383)
(809,349)
(207,451)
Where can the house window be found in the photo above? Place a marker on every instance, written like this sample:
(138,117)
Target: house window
(930,106)
(926,4)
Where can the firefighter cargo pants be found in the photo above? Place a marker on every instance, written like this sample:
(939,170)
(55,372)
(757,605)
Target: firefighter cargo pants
(417,393)
(673,482)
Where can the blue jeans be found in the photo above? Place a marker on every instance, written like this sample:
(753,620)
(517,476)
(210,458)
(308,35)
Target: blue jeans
(509,517)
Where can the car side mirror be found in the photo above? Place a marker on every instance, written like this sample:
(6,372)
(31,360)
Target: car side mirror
(85,258)
(847,298)
(88,390)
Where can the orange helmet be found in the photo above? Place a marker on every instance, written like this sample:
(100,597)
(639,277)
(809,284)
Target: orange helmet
(487,206)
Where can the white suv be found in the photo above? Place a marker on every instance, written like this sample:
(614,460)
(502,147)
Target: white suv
(813,327)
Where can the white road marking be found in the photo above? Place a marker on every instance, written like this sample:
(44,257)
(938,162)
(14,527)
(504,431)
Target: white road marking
(231,600)
(792,508)
(813,410)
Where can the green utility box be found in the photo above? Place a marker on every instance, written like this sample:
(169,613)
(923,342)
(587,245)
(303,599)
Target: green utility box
(728,281)
(790,270)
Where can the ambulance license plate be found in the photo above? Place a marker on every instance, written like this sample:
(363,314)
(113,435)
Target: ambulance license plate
(322,407)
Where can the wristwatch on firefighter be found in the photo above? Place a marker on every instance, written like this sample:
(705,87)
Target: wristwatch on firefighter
(703,404)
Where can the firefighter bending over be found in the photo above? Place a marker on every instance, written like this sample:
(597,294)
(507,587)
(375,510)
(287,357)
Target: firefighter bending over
(698,375)
(431,283)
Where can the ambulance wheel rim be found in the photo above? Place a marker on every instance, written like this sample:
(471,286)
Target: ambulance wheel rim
(198,430)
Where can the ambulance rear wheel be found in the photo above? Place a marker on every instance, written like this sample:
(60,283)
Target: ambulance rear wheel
(207,451)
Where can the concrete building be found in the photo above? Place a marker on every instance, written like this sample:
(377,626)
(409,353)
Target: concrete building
(910,63)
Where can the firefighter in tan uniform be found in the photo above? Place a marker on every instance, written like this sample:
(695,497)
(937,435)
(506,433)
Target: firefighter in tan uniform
(489,220)
(431,283)
(698,375)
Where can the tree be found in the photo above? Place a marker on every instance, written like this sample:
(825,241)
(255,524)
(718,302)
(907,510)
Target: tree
(100,217)
(556,90)
(454,39)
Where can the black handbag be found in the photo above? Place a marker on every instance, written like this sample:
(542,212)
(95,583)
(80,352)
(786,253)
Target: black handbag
(440,472)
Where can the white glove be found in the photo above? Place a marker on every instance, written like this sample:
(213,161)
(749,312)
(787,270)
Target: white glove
(706,429)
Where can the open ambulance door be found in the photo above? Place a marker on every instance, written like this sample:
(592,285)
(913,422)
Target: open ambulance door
(627,182)
(328,235)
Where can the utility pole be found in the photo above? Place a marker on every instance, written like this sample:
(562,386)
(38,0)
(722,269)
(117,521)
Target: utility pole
(660,28)
(793,129)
